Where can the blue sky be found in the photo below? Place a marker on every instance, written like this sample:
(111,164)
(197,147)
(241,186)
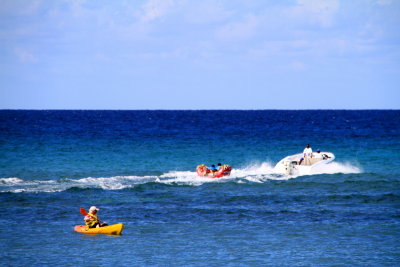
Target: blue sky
(211,54)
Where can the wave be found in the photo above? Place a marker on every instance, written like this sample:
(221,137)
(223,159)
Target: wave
(253,173)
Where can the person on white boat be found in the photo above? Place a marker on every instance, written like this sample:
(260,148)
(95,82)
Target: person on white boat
(318,155)
(307,153)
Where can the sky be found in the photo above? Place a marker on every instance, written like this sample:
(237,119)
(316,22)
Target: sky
(199,54)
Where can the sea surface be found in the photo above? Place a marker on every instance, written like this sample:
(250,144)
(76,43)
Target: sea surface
(138,167)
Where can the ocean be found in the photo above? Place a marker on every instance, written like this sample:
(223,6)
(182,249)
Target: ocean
(138,167)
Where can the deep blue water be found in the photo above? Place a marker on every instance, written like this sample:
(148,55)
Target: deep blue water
(138,167)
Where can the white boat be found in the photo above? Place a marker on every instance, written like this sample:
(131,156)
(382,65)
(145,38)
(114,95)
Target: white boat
(290,164)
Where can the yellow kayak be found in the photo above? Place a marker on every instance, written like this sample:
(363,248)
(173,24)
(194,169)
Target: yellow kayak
(114,229)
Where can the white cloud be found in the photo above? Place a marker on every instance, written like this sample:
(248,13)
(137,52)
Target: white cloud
(76,7)
(155,9)
(319,12)
(25,56)
(204,12)
(235,31)
(384,2)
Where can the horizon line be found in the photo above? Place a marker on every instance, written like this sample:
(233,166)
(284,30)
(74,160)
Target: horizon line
(308,109)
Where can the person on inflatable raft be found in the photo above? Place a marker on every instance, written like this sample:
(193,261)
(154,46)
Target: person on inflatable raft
(224,170)
(92,219)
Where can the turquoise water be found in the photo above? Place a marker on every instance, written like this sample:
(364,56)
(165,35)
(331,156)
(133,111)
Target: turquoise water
(138,167)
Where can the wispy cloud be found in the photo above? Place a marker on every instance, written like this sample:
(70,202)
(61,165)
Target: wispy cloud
(25,56)
(238,30)
(155,9)
(19,7)
(189,39)
(207,12)
(384,2)
(316,12)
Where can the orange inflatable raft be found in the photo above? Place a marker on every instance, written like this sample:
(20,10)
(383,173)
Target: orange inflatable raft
(204,171)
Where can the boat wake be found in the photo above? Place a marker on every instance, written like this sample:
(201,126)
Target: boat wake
(336,167)
(254,173)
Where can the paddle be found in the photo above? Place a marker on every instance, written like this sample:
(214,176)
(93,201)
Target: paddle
(83,211)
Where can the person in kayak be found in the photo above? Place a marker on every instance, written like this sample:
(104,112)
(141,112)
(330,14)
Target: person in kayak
(92,219)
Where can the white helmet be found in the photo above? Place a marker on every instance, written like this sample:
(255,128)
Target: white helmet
(93,208)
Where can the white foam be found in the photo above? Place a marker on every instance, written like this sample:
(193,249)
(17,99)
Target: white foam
(264,168)
(336,167)
(185,178)
(113,183)
(18,185)
(253,173)
(11,181)
(258,173)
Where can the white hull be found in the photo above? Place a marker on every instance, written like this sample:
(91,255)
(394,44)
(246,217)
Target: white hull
(290,164)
